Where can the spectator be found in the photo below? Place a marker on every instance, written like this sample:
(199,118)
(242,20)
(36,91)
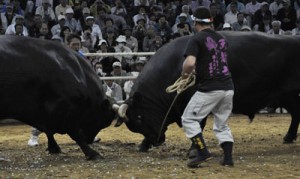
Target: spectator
(29,9)
(241,21)
(152,19)
(131,41)
(139,31)
(107,62)
(55,30)
(227,27)
(96,31)
(218,17)
(141,15)
(287,15)
(110,37)
(109,23)
(97,5)
(118,21)
(85,13)
(265,25)
(19,29)
(6,18)
(196,3)
(239,6)
(44,32)
(61,8)
(141,3)
(157,43)
(113,90)
(35,25)
(276,28)
(275,6)
(71,22)
(46,12)
(56,38)
(102,48)
(118,71)
(39,3)
(99,69)
(119,9)
(126,60)
(163,29)
(185,9)
(296,30)
(245,28)
(184,29)
(148,41)
(231,15)
(87,39)
(259,14)
(17,8)
(250,9)
(18,20)
(221,7)
(64,33)
(182,19)
(78,14)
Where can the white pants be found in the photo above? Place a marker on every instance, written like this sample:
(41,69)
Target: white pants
(200,105)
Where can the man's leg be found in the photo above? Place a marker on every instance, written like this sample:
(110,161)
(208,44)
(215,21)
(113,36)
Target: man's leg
(33,141)
(222,131)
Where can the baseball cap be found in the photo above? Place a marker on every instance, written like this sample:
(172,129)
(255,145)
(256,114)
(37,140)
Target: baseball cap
(60,17)
(116,64)
(69,11)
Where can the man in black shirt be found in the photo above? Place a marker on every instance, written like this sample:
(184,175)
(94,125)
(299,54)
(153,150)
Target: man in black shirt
(206,54)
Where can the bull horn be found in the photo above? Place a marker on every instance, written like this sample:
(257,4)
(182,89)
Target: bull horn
(115,107)
(122,111)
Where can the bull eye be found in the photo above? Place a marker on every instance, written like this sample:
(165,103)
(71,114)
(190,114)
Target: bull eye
(139,116)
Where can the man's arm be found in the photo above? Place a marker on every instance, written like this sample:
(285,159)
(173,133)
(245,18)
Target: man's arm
(188,66)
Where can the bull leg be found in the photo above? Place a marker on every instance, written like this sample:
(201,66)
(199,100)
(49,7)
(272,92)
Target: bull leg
(145,145)
(89,153)
(291,135)
(53,147)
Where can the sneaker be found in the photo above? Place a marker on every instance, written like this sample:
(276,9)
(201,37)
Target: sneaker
(196,161)
(33,141)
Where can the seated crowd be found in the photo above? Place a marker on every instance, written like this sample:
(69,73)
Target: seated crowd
(138,25)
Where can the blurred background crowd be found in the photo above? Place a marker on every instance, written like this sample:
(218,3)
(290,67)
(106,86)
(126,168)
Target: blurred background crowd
(138,25)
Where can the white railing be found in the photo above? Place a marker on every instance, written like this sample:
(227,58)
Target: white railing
(116,54)
(119,53)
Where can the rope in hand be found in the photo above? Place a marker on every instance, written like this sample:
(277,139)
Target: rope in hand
(179,86)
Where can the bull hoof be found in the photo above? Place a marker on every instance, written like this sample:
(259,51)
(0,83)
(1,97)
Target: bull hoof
(143,148)
(95,156)
(53,150)
(288,139)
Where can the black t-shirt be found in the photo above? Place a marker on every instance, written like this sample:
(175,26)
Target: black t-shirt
(210,50)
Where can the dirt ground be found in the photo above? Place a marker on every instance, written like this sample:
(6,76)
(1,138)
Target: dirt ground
(258,153)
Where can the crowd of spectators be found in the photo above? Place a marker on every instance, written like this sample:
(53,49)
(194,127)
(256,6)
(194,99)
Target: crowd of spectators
(145,24)
(139,25)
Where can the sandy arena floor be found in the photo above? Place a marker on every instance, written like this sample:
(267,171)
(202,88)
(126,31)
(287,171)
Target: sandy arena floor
(258,153)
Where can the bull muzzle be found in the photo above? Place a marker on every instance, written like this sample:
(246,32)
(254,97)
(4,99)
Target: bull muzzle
(121,110)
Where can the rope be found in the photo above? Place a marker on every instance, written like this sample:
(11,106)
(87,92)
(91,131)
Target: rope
(179,86)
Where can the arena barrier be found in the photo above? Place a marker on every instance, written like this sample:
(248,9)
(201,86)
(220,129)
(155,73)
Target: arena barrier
(120,54)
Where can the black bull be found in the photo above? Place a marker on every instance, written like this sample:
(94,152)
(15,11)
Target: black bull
(265,69)
(50,87)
